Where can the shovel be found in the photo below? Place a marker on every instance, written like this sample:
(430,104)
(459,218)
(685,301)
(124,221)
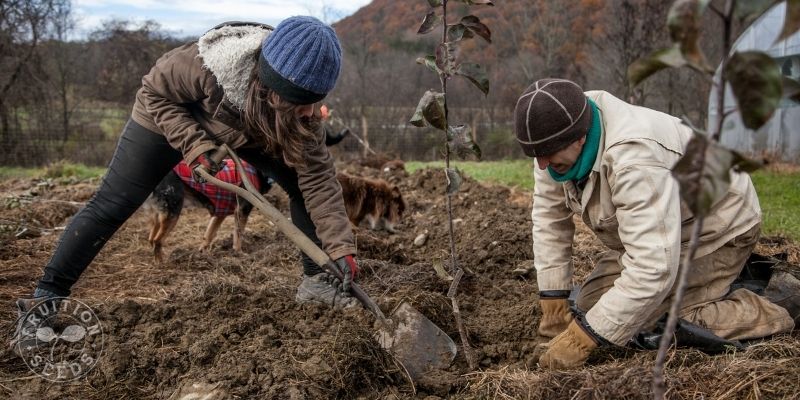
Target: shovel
(416,342)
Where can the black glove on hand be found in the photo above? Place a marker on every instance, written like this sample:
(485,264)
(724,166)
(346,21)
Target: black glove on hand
(207,162)
(332,139)
(348,266)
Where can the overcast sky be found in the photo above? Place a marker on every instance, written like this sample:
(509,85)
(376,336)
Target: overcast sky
(193,17)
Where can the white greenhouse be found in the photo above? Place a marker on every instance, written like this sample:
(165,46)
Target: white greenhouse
(780,136)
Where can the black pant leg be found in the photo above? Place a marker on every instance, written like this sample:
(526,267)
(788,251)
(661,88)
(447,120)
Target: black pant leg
(286,177)
(142,158)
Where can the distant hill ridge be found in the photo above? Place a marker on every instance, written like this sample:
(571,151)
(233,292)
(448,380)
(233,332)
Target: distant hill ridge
(556,31)
(386,24)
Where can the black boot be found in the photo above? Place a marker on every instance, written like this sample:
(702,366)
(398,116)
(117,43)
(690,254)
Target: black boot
(32,314)
(687,334)
(774,278)
(757,272)
(784,290)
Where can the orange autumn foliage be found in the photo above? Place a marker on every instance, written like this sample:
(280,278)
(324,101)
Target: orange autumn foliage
(558,31)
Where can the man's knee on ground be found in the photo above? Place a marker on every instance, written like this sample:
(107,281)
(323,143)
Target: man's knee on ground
(742,315)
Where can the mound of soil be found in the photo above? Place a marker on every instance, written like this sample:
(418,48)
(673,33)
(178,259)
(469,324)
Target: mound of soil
(222,324)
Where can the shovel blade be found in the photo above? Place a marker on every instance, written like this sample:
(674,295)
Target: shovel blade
(417,342)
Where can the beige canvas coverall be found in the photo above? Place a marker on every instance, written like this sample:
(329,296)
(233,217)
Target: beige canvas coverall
(631,202)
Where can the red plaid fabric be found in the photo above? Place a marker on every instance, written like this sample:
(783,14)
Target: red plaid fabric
(224,201)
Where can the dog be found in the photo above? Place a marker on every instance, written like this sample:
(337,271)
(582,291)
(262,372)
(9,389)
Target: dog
(178,188)
(374,199)
(167,200)
(380,161)
(393,165)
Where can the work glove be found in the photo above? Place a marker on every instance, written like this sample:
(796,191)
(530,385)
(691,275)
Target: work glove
(555,316)
(348,266)
(569,349)
(210,161)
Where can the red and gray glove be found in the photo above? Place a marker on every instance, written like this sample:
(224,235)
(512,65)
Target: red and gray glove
(348,266)
(210,161)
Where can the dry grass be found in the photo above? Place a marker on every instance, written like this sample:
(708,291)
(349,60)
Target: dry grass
(358,362)
(767,370)
(230,317)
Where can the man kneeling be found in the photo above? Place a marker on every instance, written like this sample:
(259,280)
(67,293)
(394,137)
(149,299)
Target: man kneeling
(610,163)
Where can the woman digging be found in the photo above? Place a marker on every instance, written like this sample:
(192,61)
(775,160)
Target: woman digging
(252,88)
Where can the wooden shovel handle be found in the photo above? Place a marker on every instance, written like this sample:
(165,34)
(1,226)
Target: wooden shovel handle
(251,194)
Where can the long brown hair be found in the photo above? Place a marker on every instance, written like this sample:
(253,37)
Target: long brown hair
(274,122)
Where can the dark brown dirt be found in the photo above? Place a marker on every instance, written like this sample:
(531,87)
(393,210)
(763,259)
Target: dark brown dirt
(225,324)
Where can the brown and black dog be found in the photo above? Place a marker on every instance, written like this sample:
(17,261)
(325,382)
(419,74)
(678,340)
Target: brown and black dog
(382,161)
(376,200)
(178,189)
(166,201)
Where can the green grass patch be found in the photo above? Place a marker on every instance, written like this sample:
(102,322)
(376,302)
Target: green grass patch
(779,195)
(778,192)
(19,172)
(55,170)
(509,172)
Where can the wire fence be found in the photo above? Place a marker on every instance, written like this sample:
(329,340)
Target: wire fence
(37,136)
(27,152)
(93,141)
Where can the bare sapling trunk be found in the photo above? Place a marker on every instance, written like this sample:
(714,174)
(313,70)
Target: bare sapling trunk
(432,110)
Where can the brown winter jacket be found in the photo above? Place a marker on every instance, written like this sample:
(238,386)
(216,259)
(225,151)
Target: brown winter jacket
(193,95)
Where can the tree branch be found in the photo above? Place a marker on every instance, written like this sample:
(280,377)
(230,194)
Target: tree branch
(659,386)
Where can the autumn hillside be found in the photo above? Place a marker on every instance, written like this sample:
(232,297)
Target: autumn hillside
(556,30)
(589,41)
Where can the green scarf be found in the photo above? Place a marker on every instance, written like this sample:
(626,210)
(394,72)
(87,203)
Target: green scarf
(585,161)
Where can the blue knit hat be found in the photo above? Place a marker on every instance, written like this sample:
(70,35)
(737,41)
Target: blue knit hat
(300,60)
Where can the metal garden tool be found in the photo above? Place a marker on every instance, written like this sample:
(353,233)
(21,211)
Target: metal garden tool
(416,342)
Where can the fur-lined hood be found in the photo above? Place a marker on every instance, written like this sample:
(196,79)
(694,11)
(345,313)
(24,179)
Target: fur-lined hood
(230,53)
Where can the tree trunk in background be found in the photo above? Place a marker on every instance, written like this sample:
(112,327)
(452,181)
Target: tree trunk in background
(475,119)
(633,30)
(64,111)
(4,123)
(63,60)
(365,134)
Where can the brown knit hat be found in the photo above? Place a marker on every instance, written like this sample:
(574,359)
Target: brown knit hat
(550,114)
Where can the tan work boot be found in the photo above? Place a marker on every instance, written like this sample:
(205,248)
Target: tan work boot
(555,316)
(783,289)
(316,289)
